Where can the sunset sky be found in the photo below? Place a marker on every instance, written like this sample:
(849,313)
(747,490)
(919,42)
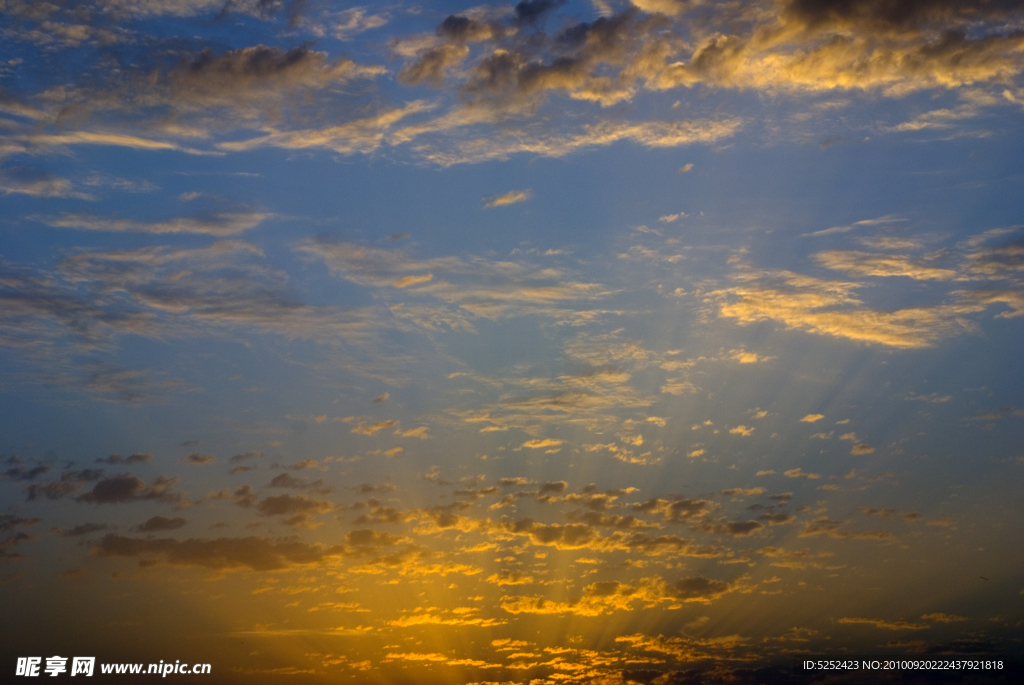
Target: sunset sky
(552,342)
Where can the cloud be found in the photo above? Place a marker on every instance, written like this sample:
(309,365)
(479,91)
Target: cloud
(355,20)
(741,430)
(869,264)
(652,134)
(426,619)
(21,473)
(678,509)
(830,308)
(509,198)
(359,136)
(583,536)
(678,386)
(126,488)
(198,459)
(515,481)
(256,554)
(161,523)
(459,289)
(824,526)
(734,492)
(414,656)
(9,522)
(736,529)
(864,45)
(800,473)
(285,505)
(137,458)
(811,418)
(20,181)
(432,65)
(546,442)
(421,432)
(32,141)
(218,224)
(364,429)
(859,447)
(285,480)
(172,292)
(245,456)
(744,357)
(51,490)
(942,618)
(84,529)
(513,577)
(257,73)
(884,625)
(934,398)
(504,66)
(407,281)
(688,649)
(608,596)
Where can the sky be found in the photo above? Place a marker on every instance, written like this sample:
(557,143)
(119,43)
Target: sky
(612,342)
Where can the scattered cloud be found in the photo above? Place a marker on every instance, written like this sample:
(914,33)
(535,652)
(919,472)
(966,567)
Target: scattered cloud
(509,198)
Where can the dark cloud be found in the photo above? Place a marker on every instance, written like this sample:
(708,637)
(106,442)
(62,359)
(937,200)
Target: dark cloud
(699,588)
(10,522)
(367,538)
(83,476)
(432,65)
(257,554)
(304,464)
(159,523)
(244,456)
(776,518)
(51,490)
(570,62)
(531,11)
(137,458)
(84,529)
(7,543)
(737,529)
(446,515)
(244,496)
(463,29)
(380,514)
(553,486)
(677,510)
(285,480)
(901,15)
(22,473)
(253,72)
(594,518)
(366,488)
(198,459)
(130,488)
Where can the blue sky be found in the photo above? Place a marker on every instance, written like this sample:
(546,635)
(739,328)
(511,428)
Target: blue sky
(511,343)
